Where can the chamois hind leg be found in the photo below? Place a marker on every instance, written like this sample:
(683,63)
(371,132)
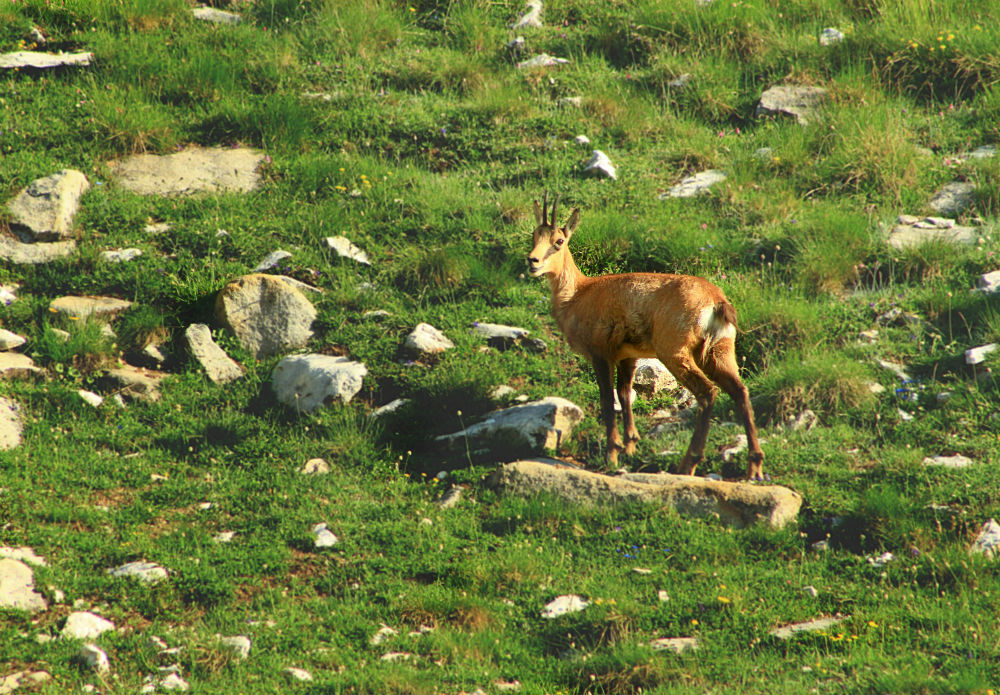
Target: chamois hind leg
(626,370)
(720,366)
(686,370)
(603,369)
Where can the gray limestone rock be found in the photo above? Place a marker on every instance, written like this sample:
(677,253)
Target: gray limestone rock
(93,657)
(219,367)
(699,184)
(989,282)
(41,61)
(85,625)
(907,234)
(830,36)
(239,645)
(210,14)
(45,209)
(953,198)
(120,255)
(735,504)
(11,424)
(800,102)
(344,248)
(85,307)
(541,61)
(788,631)
(600,165)
(134,383)
(268,315)
(195,170)
(307,382)
(532,427)
(651,377)
(988,541)
(146,572)
(21,253)
(532,16)
(271,260)
(425,341)
(14,365)
(17,587)
(677,645)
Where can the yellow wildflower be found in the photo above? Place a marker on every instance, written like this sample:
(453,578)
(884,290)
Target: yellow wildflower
(722,599)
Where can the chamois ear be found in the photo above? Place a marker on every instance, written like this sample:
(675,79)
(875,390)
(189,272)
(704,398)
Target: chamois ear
(572,222)
(538,214)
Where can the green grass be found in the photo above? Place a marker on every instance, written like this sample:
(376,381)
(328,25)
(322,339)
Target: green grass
(447,144)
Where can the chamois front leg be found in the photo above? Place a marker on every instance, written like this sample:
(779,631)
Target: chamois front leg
(603,369)
(626,370)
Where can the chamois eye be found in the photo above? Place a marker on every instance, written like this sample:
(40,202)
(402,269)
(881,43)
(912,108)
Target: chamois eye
(559,242)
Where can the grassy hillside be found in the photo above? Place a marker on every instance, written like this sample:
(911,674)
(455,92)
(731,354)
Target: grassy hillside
(425,149)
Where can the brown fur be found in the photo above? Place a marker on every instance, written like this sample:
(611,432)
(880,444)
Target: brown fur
(612,320)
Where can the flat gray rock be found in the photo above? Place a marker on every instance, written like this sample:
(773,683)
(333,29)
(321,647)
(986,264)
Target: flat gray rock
(978,355)
(135,383)
(146,572)
(735,504)
(85,307)
(344,248)
(425,341)
(210,14)
(93,657)
(532,427)
(195,170)
(953,198)
(789,631)
(699,184)
(561,605)
(307,382)
(499,336)
(45,209)
(989,282)
(541,61)
(532,16)
(85,625)
(10,340)
(14,365)
(802,103)
(271,260)
(17,587)
(266,314)
(22,253)
(120,255)
(219,367)
(677,645)
(830,36)
(600,165)
(908,234)
(988,541)
(954,461)
(41,61)
(11,426)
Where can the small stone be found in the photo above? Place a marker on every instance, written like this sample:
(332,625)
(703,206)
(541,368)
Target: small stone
(763,154)
(507,686)
(146,572)
(85,625)
(210,14)
(298,674)
(389,408)
(224,537)
(516,45)
(954,461)
(346,249)
(663,596)
(397,656)
(581,140)
(90,398)
(677,645)
(789,631)
(983,152)
(541,61)
(869,336)
(94,657)
(575,102)
(17,587)
(931,229)
(9,340)
(680,82)
(384,633)
(805,421)
(977,355)
(502,392)
(451,497)
(157,228)
(219,367)
(791,100)
(569,603)
(830,36)
(375,315)
(11,424)
(880,560)
(271,260)
(173,681)
(989,282)
(988,541)
(953,198)
(239,645)
(324,538)
(821,546)
(600,165)
(642,570)
(699,184)
(120,255)
(896,368)
(810,591)
(904,416)
(315,466)
(532,16)
(425,340)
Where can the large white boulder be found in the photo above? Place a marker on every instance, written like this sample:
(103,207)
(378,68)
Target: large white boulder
(306,382)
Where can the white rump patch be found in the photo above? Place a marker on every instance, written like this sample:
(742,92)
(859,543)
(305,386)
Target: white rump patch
(714,327)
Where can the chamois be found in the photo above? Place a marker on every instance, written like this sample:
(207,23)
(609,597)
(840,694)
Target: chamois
(612,320)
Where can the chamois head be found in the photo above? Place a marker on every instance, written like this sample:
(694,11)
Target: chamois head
(550,240)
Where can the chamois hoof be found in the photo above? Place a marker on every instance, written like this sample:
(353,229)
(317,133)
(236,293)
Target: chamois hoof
(755,467)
